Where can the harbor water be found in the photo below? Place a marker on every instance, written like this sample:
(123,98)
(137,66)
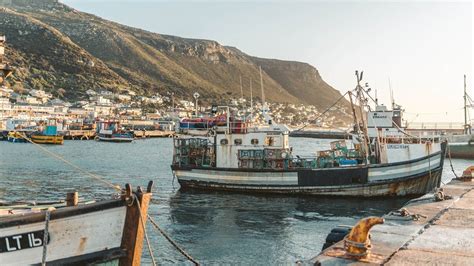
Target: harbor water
(214,227)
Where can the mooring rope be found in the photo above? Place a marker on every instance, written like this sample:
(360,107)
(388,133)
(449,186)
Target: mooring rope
(59,157)
(325,111)
(450,161)
(175,245)
(47,217)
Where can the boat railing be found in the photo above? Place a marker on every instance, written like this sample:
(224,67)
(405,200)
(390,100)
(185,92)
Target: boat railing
(409,140)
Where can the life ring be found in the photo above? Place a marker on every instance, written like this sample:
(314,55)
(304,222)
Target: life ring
(211,133)
(96,138)
(170,136)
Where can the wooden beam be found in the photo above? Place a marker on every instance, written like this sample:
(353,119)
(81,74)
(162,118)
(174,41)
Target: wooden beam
(133,233)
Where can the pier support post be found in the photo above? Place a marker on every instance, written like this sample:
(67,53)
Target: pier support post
(133,231)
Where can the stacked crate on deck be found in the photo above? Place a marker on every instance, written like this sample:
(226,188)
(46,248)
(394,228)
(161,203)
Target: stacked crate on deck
(195,152)
(199,152)
(276,158)
(251,159)
(181,156)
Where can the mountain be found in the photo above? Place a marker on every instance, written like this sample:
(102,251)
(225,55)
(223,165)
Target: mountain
(54,46)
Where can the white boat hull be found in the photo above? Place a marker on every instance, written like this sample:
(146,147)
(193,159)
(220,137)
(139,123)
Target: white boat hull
(72,239)
(397,179)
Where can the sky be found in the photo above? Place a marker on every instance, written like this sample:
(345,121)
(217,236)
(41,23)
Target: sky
(422,47)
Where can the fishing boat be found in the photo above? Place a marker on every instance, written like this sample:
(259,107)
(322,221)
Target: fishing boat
(49,135)
(75,233)
(16,137)
(380,160)
(110,131)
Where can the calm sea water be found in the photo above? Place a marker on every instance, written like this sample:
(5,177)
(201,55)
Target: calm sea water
(215,228)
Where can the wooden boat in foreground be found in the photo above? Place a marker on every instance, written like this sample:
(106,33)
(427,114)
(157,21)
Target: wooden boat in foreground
(109,231)
(384,160)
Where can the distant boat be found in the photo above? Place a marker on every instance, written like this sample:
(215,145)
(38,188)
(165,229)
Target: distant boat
(14,136)
(462,146)
(108,232)
(49,135)
(110,131)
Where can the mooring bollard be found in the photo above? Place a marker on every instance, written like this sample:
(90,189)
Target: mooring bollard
(72,199)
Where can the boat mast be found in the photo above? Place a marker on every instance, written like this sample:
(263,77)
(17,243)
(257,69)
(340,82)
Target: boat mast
(263,96)
(467,127)
(362,102)
(251,101)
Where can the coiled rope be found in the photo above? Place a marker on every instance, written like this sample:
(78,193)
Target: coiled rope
(172,242)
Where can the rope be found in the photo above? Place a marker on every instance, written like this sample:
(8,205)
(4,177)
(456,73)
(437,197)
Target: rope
(175,245)
(54,155)
(47,217)
(325,111)
(451,162)
(429,161)
(144,230)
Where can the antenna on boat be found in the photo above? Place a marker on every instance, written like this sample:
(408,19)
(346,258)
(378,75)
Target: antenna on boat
(251,101)
(391,94)
(263,94)
(267,118)
(376,98)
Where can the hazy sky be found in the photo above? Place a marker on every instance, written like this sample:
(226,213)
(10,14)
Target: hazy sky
(425,48)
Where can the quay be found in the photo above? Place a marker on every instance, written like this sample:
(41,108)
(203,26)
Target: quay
(437,228)
(79,134)
(153,133)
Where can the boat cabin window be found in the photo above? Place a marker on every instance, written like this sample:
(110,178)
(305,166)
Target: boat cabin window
(269,141)
(254,141)
(224,142)
(238,141)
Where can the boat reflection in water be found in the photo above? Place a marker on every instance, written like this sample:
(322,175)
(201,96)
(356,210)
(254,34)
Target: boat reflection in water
(220,227)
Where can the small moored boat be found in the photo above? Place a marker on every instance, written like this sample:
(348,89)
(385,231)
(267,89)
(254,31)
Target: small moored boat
(110,131)
(14,136)
(49,135)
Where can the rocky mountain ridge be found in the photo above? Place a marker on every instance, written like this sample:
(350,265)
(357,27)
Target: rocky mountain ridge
(55,46)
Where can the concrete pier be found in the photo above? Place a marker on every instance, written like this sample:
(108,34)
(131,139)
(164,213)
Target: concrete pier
(431,232)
